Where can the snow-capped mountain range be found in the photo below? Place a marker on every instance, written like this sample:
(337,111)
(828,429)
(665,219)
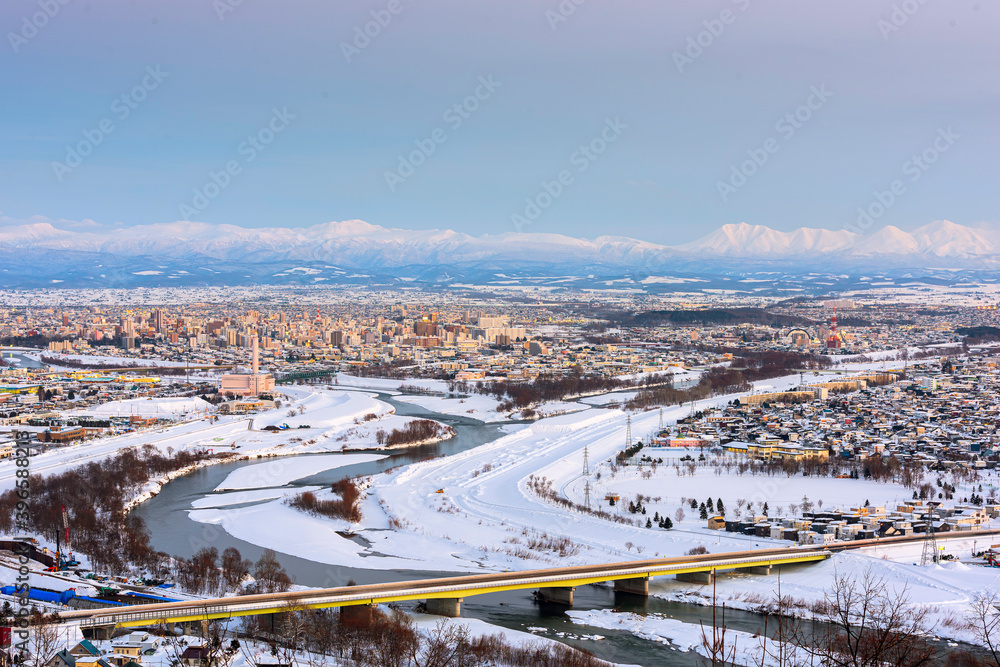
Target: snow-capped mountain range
(182,249)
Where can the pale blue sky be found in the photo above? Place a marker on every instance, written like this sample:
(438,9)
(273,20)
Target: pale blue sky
(559,81)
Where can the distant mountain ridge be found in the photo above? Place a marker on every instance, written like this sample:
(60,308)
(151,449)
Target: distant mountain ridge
(181,249)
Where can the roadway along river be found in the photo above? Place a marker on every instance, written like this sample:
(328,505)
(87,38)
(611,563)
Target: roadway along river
(173,532)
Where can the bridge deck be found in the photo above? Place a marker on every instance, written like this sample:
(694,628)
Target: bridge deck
(450,587)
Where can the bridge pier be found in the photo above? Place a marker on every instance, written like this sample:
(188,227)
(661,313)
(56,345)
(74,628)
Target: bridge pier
(357,615)
(450,607)
(102,632)
(759,569)
(697,577)
(638,586)
(557,595)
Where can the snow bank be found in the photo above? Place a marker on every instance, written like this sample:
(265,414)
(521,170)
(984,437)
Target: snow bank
(574,422)
(282,471)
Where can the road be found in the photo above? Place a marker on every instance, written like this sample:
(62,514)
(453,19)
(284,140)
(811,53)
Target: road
(451,588)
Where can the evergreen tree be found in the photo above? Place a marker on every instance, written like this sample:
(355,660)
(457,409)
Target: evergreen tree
(719,507)
(667,523)
(649,523)
(703,511)
(694,504)
(764,509)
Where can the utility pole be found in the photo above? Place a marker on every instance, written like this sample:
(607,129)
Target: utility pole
(930,554)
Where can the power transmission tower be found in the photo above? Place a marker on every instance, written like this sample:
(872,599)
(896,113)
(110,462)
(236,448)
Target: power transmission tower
(586,495)
(628,432)
(930,554)
(660,430)
(586,462)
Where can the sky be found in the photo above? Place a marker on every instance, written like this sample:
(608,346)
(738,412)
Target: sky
(654,120)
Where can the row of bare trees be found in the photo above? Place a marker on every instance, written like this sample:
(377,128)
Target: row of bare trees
(209,573)
(390,639)
(545,387)
(347,507)
(96,496)
(862,621)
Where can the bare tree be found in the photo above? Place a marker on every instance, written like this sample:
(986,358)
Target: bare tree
(780,650)
(984,622)
(443,646)
(270,576)
(870,623)
(718,652)
(235,568)
(43,637)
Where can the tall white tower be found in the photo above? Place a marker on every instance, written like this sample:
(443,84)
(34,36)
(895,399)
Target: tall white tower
(256,355)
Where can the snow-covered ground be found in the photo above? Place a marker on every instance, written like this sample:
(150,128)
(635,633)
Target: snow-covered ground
(484,408)
(280,472)
(674,489)
(478,511)
(104,360)
(390,385)
(330,421)
(149,407)
(474,406)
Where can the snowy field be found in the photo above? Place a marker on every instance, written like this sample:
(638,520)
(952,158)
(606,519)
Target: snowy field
(484,408)
(675,489)
(174,408)
(103,360)
(333,421)
(283,471)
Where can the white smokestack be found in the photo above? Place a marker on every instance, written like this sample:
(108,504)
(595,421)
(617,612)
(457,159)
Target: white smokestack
(256,355)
